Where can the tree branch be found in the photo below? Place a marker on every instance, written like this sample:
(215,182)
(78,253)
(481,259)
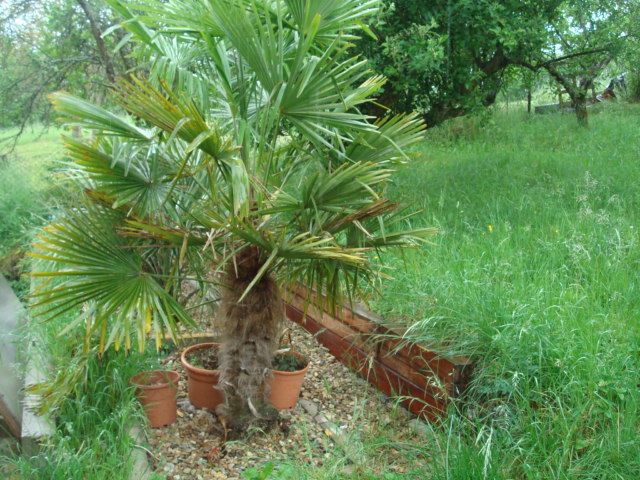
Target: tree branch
(560,59)
(93,22)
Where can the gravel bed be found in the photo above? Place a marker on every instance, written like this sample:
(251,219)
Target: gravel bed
(334,404)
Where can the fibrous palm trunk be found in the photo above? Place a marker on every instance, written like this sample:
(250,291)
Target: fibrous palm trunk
(249,331)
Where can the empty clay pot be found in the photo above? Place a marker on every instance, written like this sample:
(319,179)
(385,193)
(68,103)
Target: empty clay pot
(157,391)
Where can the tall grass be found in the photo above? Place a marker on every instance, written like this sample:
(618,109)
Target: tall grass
(93,410)
(27,187)
(534,275)
(91,437)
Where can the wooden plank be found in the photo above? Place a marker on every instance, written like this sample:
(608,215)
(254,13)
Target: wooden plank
(421,358)
(357,336)
(343,350)
(412,352)
(420,375)
(368,322)
(415,398)
(454,371)
(9,420)
(346,315)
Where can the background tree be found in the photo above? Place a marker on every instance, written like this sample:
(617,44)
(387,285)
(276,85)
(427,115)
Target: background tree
(55,44)
(447,58)
(581,42)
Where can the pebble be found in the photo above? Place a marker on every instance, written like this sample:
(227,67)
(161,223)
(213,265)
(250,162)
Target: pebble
(419,427)
(310,407)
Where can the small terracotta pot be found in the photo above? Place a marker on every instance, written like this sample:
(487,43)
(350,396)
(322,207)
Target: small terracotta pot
(201,382)
(286,386)
(157,391)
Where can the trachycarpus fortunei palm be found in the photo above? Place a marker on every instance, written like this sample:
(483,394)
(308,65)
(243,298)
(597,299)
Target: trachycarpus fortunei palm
(244,159)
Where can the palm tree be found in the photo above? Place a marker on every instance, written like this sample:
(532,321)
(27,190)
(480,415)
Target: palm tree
(242,159)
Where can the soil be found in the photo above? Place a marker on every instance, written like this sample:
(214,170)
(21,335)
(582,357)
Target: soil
(206,358)
(338,405)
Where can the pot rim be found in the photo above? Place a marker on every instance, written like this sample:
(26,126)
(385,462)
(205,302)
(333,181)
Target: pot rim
(197,346)
(172,378)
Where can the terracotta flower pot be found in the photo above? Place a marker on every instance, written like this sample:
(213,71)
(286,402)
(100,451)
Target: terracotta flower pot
(201,382)
(157,391)
(286,386)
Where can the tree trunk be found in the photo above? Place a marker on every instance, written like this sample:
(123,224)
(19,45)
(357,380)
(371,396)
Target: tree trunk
(577,93)
(528,100)
(580,107)
(95,30)
(249,331)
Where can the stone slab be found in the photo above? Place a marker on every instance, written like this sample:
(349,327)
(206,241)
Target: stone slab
(11,311)
(34,426)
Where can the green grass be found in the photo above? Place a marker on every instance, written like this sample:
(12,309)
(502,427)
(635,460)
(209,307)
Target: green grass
(535,276)
(91,437)
(27,187)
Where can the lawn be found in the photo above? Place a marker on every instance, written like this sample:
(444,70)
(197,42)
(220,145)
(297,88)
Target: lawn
(27,189)
(534,275)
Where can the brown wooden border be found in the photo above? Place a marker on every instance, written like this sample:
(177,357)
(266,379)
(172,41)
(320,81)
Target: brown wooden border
(424,381)
(9,420)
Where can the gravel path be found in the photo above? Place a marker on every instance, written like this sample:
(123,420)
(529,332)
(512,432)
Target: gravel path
(334,406)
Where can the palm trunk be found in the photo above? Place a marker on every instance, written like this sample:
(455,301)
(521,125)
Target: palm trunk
(249,331)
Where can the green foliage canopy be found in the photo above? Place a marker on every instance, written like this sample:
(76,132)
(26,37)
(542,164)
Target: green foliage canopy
(446,58)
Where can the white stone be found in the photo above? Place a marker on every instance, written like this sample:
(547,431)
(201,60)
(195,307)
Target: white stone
(310,407)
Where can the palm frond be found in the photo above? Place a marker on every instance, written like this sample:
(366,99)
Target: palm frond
(254,42)
(389,142)
(346,189)
(178,16)
(175,115)
(142,183)
(344,16)
(76,112)
(93,264)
